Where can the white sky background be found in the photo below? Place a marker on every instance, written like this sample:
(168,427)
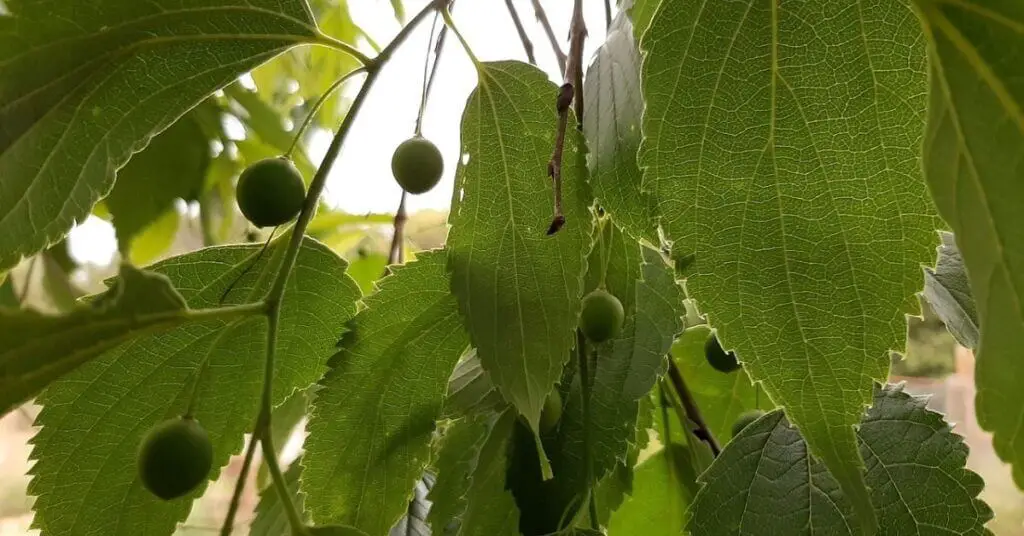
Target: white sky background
(361,179)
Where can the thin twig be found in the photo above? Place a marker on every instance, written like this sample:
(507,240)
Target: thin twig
(527,45)
(572,89)
(702,431)
(607,14)
(542,18)
(396,255)
(243,477)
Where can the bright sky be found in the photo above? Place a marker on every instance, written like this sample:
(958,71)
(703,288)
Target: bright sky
(361,179)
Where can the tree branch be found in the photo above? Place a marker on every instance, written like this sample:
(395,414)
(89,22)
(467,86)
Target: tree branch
(572,89)
(542,17)
(690,406)
(527,45)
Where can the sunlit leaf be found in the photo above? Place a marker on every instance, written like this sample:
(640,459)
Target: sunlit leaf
(660,500)
(782,143)
(519,290)
(456,460)
(85,85)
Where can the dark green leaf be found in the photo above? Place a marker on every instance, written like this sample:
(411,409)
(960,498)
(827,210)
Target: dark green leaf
(85,478)
(612,127)
(782,144)
(457,459)
(370,431)
(173,166)
(470,390)
(766,482)
(36,349)
(519,290)
(490,509)
(7,296)
(975,171)
(948,291)
(86,85)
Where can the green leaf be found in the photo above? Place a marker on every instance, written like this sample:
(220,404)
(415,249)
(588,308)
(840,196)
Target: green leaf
(85,86)
(660,500)
(948,291)
(766,482)
(85,478)
(155,239)
(470,390)
(7,296)
(611,125)
(399,8)
(271,519)
(367,270)
(781,143)
(370,431)
(414,522)
(173,166)
(37,349)
(974,169)
(720,396)
(457,458)
(519,290)
(641,11)
(490,508)
(625,371)
(335,530)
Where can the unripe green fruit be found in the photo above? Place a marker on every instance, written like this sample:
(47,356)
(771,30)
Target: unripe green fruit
(744,420)
(602,316)
(175,457)
(270,192)
(417,165)
(718,358)
(552,411)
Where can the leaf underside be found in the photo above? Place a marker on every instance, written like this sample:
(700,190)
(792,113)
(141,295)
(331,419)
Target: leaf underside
(85,85)
(85,478)
(782,143)
(373,417)
(766,482)
(948,291)
(518,290)
(975,168)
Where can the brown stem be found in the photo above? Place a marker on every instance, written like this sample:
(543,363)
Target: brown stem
(702,431)
(572,89)
(396,255)
(542,17)
(527,45)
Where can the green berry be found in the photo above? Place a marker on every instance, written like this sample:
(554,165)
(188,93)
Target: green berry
(602,316)
(744,420)
(552,411)
(270,192)
(417,165)
(718,358)
(175,457)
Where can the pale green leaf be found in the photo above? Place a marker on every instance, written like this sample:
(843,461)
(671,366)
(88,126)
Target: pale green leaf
(173,166)
(519,290)
(456,460)
(271,519)
(720,396)
(370,431)
(766,482)
(490,508)
(611,125)
(974,166)
(367,269)
(155,239)
(660,500)
(782,144)
(641,11)
(948,291)
(85,85)
(85,478)
(36,349)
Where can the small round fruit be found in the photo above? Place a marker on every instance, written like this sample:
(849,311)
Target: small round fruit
(417,165)
(744,420)
(602,316)
(270,192)
(721,360)
(175,457)
(552,411)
